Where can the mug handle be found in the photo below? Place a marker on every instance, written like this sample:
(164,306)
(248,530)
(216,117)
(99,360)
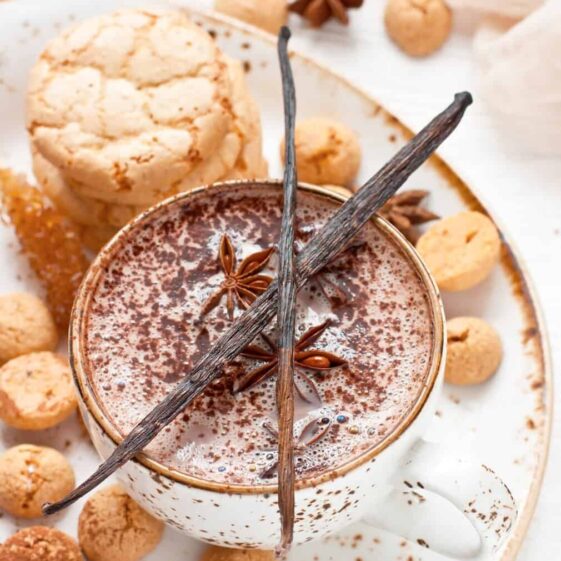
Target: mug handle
(472,488)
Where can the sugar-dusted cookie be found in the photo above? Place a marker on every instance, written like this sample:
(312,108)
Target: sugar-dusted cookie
(460,250)
(113,526)
(127,104)
(474,351)
(327,152)
(36,391)
(26,325)
(418,27)
(31,476)
(40,543)
(215,553)
(269,17)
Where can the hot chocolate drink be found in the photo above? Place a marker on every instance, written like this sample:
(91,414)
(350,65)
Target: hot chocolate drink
(364,336)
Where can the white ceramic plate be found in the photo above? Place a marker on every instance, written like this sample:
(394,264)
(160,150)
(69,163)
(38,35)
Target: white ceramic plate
(505,423)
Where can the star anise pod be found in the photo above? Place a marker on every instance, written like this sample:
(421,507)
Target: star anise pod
(242,284)
(304,359)
(317,12)
(404,211)
(311,433)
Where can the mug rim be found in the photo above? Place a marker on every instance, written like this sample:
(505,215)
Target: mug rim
(88,395)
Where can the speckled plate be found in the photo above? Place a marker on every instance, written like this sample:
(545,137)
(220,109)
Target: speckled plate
(505,422)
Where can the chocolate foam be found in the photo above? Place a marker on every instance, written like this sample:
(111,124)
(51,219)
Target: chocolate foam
(145,329)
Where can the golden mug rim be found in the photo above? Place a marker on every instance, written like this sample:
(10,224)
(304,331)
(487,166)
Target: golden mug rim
(88,394)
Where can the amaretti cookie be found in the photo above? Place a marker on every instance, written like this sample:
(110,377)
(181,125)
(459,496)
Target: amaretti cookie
(474,351)
(327,152)
(36,391)
(113,526)
(461,250)
(418,27)
(40,543)
(26,326)
(31,476)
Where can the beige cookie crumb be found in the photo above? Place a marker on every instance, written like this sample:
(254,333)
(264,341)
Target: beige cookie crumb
(474,351)
(26,326)
(36,391)
(215,553)
(327,152)
(113,526)
(31,476)
(418,27)
(460,250)
(269,17)
(40,543)
(340,190)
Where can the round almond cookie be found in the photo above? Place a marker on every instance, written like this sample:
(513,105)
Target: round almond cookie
(327,152)
(460,250)
(418,27)
(113,526)
(215,553)
(127,104)
(26,326)
(36,391)
(31,476)
(40,543)
(474,351)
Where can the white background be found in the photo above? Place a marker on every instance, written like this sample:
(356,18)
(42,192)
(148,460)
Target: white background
(522,188)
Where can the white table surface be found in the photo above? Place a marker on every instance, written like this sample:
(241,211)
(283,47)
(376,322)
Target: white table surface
(522,188)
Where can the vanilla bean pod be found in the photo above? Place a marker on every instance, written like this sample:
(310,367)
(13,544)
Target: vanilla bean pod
(286,315)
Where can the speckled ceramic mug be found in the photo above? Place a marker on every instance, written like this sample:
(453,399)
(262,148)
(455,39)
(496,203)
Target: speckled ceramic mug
(376,486)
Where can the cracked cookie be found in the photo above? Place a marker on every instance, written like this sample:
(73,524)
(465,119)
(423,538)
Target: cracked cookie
(40,543)
(129,103)
(31,476)
(36,391)
(26,326)
(327,152)
(461,250)
(215,553)
(474,351)
(113,526)
(104,158)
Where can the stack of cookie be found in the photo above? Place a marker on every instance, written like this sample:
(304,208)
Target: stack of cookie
(129,108)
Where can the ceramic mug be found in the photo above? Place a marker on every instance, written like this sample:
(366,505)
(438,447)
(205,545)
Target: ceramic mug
(375,486)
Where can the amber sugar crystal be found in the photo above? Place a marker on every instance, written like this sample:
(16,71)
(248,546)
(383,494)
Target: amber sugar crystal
(48,239)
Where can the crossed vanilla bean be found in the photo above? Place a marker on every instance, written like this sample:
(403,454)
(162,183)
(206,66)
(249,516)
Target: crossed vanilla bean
(286,316)
(322,249)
